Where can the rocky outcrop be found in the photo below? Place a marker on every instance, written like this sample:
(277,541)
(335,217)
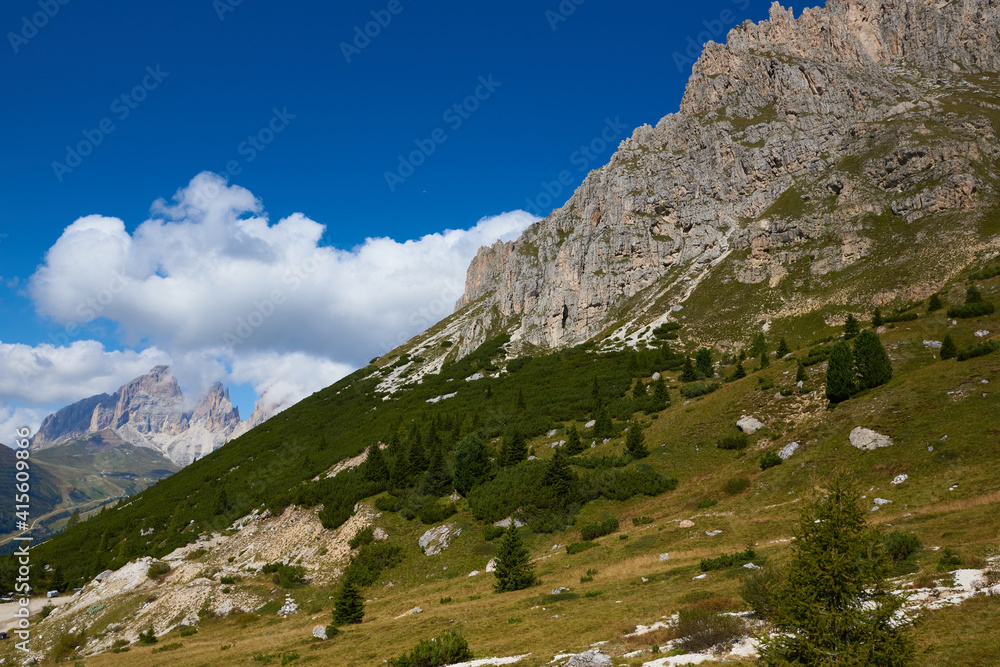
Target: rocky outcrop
(150,412)
(799,140)
(868,440)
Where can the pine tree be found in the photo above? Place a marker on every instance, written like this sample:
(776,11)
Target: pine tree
(520,405)
(514,570)
(639,390)
(603,426)
(840,373)
(574,445)
(418,459)
(73,520)
(661,393)
(973,295)
(851,327)
(740,372)
(595,394)
(783,349)
(376,469)
(703,363)
(758,346)
(349,607)
(399,477)
(871,361)
(472,464)
(513,450)
(222,502)
(437,479)
(558,474)
(834,605)
(688,373)
(765,360)
(948,348)
(635,441)
(934,303)
(800,373)
(58,581)
(877,319)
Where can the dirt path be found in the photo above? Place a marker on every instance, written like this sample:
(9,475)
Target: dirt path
(7,618)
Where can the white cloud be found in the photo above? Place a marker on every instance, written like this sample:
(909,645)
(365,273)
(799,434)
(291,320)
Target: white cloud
(221,293)
(12,418)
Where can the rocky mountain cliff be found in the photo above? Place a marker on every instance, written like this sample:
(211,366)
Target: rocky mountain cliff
(150,412)
(860,135)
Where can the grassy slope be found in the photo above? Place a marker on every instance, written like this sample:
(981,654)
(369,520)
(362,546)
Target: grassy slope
(915,409)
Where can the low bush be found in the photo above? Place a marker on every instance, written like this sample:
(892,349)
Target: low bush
(733,441)
(902,317)
(286,576)
(147,638)
(758,591)
(727,560)
(188,631)
(67,643)
(705,503)
(577,547)
(969,310)
(986,274)
(362,537)
(168,647)
(605,526)
(817,355)
(701,629)
(624,483)
(736,485)
(900,546)
(492,532)
(120,646)
(949,561)
(157,569)
(46,610)
(769,460)
(370,561)
(980,350)
(641,520)
(444,650)
(229,581)
(699,389)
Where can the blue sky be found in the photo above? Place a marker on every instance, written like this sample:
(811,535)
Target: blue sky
(112,106)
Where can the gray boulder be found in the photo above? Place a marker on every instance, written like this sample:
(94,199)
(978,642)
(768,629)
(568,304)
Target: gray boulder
(867,440)
(589,659)
(749,425)
(439,538)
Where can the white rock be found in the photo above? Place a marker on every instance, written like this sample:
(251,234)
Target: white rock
(437,539)
(687,523)
(981,334)
(378,534)
(492,565)
(474,573)
(935,344)
(867,440)
(590,424)
(882,501)
(899,479)
(700,576)
(589,659)
(712,533)
(288,608)
(656,377)
(473,378)
(749,425)
(319,632)
(664,557)
(800,384)
(505,523)
(438,399)
(561,589)
(751,566)
(552,433)
(787,451)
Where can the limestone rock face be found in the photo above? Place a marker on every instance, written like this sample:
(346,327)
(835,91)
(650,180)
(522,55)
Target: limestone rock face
(798,143)
(150,411)
(867,439)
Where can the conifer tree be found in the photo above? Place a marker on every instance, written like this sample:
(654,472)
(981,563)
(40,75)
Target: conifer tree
(835,605)
(740,372)
(948,348)
(639,390)
(661,393)
(595,394)
(73,520)
(851,327)
(418,459)
(758,346)
(973,295)
(703,363)
(603,426)
(635,441)
(376,469)
(765,360)
(514,570)
(513,450)
(934,303)
(520,405)
(840,373)
(437,479)
(349,607)
(800,373)
(574,445)
(877,319)
(400,475)
(871,361)
(472,464)
(783,349)
(559,475)
(688,373)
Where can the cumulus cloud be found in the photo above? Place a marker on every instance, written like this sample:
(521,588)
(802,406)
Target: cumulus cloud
(212,287)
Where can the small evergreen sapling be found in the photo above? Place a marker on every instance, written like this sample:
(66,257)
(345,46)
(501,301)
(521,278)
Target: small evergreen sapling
(934,303)
(948,348)
(765,360)
(851,327)
(840,374)
(574,445)
(877,319)
(800,373)
(635,441)
(874,368)
(376,469)
(703,363)
(558,475)
(740,372)
(688,373)
(349,607)
(783,349)
(514,570)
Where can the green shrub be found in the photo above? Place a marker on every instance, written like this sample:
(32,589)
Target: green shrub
(736,485)
(157,569)
(46,610)
(362,537)
(982,349)
(370,561)
(727,560)
(705,503)
(187,631)
(624,483)
(120,646)
(900,546)
(605,526)
(769,460)
(641,520)
(286,576)
(701,629)
(976,309)
(817,355)
(699,389)
(758,590)
(67,643)
(577,547)
(147,638)
(168,647)
(492,532)
(902,317)
(732,441)
(444,650)
(986,273)
(948,561)
(229,581)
